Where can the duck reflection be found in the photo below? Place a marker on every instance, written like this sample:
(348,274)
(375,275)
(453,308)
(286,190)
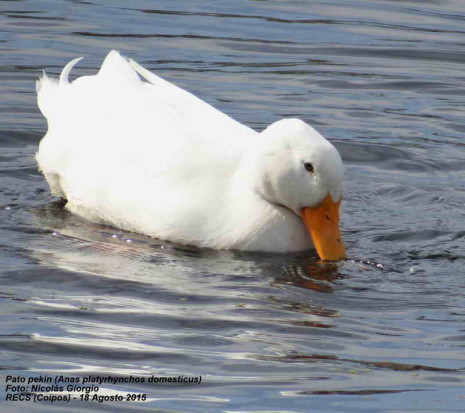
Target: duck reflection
(311,274)
(253,279)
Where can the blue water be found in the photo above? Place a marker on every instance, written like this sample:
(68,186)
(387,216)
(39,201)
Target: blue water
(381,332)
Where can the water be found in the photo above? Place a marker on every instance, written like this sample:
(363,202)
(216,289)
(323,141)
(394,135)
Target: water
(381,332)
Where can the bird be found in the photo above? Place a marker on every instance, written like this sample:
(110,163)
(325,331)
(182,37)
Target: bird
(126,148)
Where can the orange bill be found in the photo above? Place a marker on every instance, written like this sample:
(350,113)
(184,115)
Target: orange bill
(322,223)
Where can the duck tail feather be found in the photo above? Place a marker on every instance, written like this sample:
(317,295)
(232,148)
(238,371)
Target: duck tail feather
(40,81)
(146,74)
(64,80)
(117,68)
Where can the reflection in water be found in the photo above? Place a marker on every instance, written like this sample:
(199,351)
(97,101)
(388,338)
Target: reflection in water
(291,358)
(78,246)
(298,269)
(314,275)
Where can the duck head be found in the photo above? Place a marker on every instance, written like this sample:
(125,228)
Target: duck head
(300,170)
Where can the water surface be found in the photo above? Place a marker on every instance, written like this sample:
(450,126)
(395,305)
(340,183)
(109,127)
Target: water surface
(382,332)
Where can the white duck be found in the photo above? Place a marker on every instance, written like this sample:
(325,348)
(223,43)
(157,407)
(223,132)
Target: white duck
(126,148)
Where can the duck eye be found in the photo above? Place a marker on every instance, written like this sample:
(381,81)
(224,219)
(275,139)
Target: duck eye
(308,166)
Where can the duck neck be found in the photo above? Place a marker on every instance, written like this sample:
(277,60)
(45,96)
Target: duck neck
(255,216)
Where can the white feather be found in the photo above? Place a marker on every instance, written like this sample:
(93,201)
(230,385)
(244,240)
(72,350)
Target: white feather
(148,156)
(67,70)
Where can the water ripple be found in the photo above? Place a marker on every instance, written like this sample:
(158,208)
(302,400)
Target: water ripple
(267,332)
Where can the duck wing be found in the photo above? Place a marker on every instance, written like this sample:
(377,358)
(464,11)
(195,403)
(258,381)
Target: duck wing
(124,146)
(134,114)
